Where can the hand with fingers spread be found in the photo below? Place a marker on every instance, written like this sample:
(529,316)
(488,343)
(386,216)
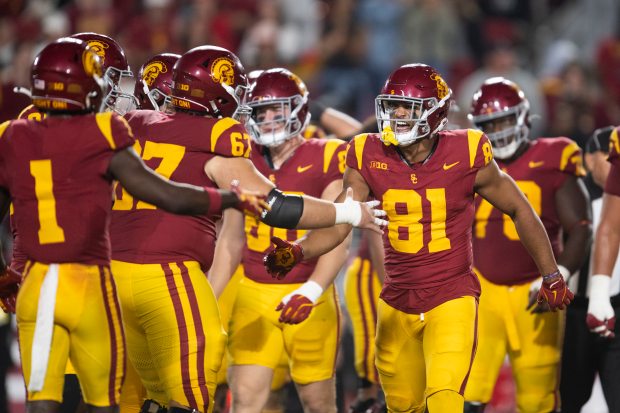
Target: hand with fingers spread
(554,291)
(601,317)
(360,214)
(9,286)
(250,203)
(279,261)
(297,306)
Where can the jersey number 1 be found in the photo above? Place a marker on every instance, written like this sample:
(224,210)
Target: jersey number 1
(49,230)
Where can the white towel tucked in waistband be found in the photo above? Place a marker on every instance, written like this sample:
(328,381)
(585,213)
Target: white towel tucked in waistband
(42,341)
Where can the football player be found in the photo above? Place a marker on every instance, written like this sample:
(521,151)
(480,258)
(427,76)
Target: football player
(548,171)
(587,354)
(601,316)
(115,67)
(174,335)
(269,317)
(154,82)
(426,179)
(60,171)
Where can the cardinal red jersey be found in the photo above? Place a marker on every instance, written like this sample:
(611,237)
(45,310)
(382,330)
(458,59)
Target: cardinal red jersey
(540,171)
(19,258)
(56,171)
(612,185)
(430,207)
(314,165)
(176,146)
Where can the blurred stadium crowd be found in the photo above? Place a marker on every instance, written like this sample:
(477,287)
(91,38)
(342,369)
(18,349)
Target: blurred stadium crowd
(564,54)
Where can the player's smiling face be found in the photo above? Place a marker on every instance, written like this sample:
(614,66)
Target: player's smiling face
(402,113)
(272,118)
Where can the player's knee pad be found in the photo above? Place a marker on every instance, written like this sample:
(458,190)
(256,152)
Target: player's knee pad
(474,407)
(151,406)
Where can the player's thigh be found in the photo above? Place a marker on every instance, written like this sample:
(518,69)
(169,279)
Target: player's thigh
(133,392)
(361,291)
(255,334)
(400,358)
(141,287)
(536,365)
(493,312)
(312,345)
(450,344)
(226,302)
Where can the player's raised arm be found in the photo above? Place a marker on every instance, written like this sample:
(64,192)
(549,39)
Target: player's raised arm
(143,183)
(316,243)
(291,211)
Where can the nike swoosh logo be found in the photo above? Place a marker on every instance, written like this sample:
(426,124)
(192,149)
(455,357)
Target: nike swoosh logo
(301,169)
(446,166)
(534,164)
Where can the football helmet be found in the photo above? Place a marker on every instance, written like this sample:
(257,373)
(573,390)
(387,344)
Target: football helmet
(500,98)
(287,94)
(154,81)
(425,97)
(210,80)
(115,70)
(67,76)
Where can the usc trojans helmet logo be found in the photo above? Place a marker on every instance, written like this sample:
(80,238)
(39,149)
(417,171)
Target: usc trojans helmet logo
(91,62)
(152,70)
(99,48)
(442,86)
(222,71)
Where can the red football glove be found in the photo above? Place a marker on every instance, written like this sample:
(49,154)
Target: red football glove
(555,291)
(250,203)
(296,310)
(297,306)
(282,258)
(9,286)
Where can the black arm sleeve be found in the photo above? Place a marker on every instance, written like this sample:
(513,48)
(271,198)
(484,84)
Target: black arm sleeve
(286,210)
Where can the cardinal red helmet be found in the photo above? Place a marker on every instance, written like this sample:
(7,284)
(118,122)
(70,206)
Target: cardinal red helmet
(423,93)
(210,80)
(115,69)
(501,98)
(154,81)
(287,95)
(66,76)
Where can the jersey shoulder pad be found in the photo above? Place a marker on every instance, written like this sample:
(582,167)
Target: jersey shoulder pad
(356,148)
(3,127)
(479,149)
(563,154)
(229,138)
(115,130)
(334,151)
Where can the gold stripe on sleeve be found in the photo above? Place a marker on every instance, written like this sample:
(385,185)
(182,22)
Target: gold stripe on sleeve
(360,141)
(328,153)
(104,122)
(473,139)
(219,128)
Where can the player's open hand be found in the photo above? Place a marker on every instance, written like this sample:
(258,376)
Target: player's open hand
(250,202)
(279,261)
(370,214)
(297,306)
